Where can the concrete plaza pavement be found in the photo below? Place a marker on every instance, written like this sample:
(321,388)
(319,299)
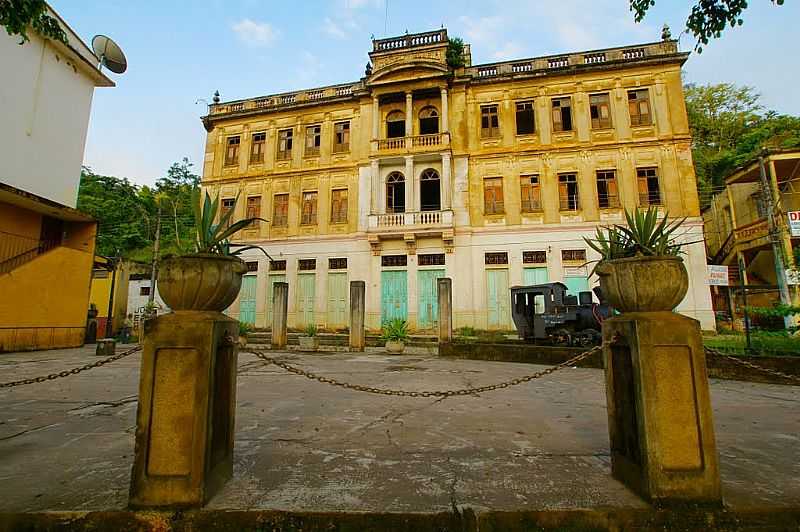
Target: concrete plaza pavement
(67,444)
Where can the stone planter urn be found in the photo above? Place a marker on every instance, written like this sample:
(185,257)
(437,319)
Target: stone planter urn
(200,282)
(395,347)
(643,284)
(309,343)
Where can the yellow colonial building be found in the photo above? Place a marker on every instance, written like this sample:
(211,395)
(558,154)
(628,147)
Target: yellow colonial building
(488,174)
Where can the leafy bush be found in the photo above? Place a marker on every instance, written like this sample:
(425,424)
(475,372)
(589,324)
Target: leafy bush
(311,330)
(245,328)
(467,331)
(395,330)
(455,52)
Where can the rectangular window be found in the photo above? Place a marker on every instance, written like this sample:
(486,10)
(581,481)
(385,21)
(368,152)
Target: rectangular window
(431,259)
(280,210)
(308,214)
(649,189)
(388,261)
(313,140)
(227,204)
(341,137)
(534,257)
(339,206)
(144,290)
(337,264)
(257,148)
(562,114)
(573,255)
(639,107)
(531,193)
(232,151)
(600,111)
(568,192)
(277,266)
(252,266)
(285,144)
(306,264)
(493,195)
(253,208)
(490,122)
(607,197)
(525,118)
(491,259)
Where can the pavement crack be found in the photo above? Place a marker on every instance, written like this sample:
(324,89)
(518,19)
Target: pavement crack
(27,431)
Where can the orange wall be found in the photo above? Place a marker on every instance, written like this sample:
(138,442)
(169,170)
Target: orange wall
(19,221)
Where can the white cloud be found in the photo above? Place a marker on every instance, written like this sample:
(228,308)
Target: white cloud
(333,29)
(255,33)
(358,4)
(483,30)
(510,50)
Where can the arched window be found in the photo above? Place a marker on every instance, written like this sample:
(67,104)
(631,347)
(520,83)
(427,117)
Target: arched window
(395,192)
(430,194)
(428,121)
(395,125)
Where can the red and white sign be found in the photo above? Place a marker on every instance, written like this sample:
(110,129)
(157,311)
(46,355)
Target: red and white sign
(794,222)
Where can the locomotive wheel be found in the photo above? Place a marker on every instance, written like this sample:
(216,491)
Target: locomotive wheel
(588,338)
(562,337)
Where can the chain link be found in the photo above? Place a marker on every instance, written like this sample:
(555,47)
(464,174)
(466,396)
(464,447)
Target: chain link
(73,371)
(738,360)
(444,393)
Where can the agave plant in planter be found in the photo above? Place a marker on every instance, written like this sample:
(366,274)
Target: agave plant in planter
(395,333)
(309,341)
(641,268)
(211,277)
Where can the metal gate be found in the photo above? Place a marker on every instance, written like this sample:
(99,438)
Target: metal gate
(394,295)
(428,298)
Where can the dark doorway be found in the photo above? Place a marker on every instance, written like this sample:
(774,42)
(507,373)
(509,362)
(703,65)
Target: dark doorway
(428,121)
(52,231)
(395,125)
(395,192)
(430,193)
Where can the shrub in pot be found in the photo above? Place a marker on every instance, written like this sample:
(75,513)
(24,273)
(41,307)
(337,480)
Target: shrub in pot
(211,277)
(641,269)
(309,341)
(395,333)
(245,328)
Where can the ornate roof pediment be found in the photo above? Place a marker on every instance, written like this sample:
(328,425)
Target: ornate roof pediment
(409,70)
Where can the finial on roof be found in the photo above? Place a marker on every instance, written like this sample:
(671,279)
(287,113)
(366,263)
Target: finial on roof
(215,99)
(666,34)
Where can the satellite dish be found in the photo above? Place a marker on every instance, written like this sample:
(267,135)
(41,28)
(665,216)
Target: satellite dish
(109,53)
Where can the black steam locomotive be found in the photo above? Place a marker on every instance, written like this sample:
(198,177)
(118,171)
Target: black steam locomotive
(546,313)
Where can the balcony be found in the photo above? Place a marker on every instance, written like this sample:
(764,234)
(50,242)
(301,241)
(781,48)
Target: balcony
(410,222)
(414,144)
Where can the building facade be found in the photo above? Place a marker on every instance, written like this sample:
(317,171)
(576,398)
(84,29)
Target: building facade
(491,175)
(46,246)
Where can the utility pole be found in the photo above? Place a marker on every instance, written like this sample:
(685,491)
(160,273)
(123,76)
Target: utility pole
(154,270)
(775,239)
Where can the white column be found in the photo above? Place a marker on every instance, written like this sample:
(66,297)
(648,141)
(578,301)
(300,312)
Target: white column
(376,118)
(378,205)
(411,198)
(409,117)
(445,181)
(445,127)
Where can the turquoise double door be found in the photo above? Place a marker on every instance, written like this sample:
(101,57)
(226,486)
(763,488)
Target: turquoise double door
(247,299)
(394,296)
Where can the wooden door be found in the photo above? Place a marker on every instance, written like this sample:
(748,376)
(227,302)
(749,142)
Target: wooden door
(305,299)
(337,300)
(271,280)
(427,298)
(247,300)
(531,276)
(498,299)
(394,295)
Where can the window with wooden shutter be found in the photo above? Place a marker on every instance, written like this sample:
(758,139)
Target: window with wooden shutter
(525,118)
(341,137)
(313,140)
(490,121)
(531,193)
(562,114)
(232,151)
(284,144)
(226,205)
(280,210)
(339,206)
(308,214)
(253,208)
(257,148)
(493,195)
(600,111)
(607,197)
(639,107)
(568,192)
(648,186)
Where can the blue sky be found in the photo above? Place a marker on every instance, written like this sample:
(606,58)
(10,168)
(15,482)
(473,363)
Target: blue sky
(180,51)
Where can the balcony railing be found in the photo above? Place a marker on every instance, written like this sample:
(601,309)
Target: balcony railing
(434,140)
(16,250)
(403,221)
(397,143)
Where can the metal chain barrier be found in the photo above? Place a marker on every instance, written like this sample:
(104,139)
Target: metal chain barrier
(73,371)
(793,378)
(445,393)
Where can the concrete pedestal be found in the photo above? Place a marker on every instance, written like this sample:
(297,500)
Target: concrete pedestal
(358,338)
(659,411)
(280,309)
(444,290)
(187,408)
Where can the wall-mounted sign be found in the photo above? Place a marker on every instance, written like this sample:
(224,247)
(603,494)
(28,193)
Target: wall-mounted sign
(794,222)
(717,275)
(793,277)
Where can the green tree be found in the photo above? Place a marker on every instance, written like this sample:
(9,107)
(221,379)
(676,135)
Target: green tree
(708,18)
(455,52)
(17,16)
(174,193)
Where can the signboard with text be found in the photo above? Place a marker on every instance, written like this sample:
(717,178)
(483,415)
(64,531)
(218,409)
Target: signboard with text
(717,275)
(794,222)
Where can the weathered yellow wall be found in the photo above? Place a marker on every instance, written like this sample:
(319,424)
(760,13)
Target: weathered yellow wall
(18,221)
(101,290)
